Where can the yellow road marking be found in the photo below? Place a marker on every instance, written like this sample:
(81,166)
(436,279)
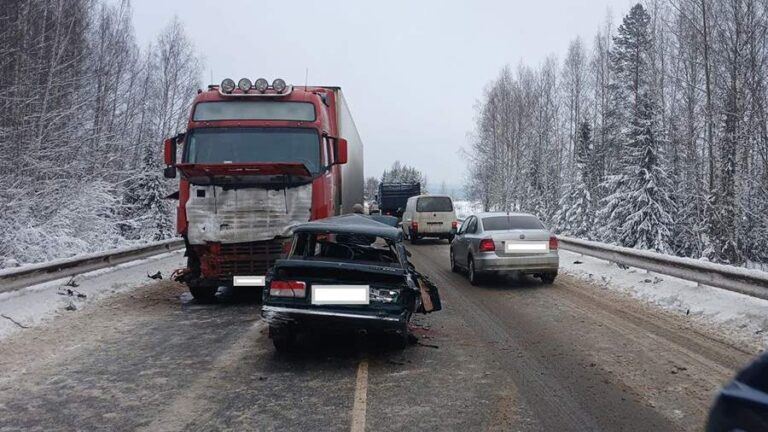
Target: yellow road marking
(361,397)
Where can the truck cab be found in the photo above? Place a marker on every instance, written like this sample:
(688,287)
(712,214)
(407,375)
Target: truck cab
(257,160)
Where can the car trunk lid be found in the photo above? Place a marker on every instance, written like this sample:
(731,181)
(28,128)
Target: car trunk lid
(521,242)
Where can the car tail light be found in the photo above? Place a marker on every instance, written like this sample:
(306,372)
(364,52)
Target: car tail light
(288,289)
(454,224)
(487,245)
(414,226)
(553,243)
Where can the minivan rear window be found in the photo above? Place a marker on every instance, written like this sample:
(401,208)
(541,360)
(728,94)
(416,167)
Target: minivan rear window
(434,204)
(502,223)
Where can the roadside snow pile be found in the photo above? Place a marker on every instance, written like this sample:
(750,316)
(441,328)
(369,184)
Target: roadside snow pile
(739,315)
(466,208)
(34,305)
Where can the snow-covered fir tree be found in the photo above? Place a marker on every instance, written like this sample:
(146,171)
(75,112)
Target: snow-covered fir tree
(575,216)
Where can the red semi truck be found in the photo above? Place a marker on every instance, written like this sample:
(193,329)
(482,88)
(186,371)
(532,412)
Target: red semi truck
(257,159)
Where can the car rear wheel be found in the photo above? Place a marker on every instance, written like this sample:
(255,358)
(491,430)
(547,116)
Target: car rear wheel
(548,278)
(454,267)
(474,278)
(283,338)
(203,294)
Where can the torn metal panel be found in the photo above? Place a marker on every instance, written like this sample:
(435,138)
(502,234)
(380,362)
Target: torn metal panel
(236,215)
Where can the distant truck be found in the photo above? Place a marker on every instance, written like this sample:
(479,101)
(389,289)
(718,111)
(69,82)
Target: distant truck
(257,160)
(393,197)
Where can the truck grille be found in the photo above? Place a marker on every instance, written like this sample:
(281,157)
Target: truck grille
(252,258)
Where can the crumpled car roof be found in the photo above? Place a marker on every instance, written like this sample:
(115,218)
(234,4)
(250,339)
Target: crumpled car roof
(351,224)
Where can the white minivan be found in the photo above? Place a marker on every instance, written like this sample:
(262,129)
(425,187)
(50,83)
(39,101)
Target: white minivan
(429,216)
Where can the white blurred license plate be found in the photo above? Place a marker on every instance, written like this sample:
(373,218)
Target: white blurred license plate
(248,281)
(340,294)
(527,247)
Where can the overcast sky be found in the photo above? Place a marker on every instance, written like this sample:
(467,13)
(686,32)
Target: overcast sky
(412,71)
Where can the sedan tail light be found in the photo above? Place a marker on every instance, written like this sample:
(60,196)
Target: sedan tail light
(296,289)
(487,245)
(553,243)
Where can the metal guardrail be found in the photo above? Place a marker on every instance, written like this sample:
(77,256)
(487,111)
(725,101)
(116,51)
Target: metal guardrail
(16,278)
(745,281)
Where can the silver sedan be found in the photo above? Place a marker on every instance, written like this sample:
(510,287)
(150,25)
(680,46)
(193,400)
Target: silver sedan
(502,242)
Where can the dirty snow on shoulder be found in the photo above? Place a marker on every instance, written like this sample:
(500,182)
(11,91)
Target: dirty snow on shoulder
(737,316)
(38,304)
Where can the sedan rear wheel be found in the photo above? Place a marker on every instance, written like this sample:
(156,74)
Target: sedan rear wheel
(473,276)
(283,338)
(454,267)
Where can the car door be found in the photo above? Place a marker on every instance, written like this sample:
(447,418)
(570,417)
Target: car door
(456,244)
(460,252)
(470,240)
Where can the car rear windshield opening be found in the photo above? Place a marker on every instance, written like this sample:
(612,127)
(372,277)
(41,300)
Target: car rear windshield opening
(349,247)
(434,204)
(502,223)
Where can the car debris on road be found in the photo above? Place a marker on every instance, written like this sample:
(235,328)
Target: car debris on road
(345,273)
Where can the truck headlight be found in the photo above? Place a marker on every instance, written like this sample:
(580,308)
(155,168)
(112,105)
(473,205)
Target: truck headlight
(228,85)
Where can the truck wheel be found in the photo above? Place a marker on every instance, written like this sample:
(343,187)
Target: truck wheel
(204,294)
(283,338)
(548,278)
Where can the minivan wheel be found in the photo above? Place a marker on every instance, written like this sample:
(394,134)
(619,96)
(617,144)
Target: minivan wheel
(472,274)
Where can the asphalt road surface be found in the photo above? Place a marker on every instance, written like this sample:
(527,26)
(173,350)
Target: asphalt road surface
(509,355)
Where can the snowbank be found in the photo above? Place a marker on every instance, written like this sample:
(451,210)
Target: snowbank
(739,316)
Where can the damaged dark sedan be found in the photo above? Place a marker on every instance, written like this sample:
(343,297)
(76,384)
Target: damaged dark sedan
(347,273)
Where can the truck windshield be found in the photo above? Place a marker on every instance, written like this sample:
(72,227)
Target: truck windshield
(242,145)
(434,204)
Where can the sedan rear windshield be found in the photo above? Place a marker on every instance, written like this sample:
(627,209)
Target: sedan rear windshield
(265,145)
(503,223)
(434,204)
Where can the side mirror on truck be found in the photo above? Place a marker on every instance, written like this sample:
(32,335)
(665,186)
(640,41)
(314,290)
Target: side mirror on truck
(340,151)
(169,157)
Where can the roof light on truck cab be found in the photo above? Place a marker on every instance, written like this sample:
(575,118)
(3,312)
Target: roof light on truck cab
(279,85)
(244,84)
(228,85)
(261,85)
